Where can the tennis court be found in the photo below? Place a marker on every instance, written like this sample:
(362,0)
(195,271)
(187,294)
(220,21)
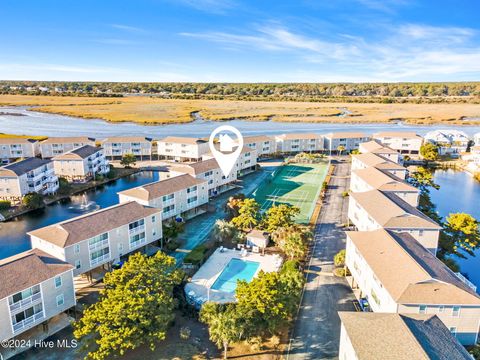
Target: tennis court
(298,185)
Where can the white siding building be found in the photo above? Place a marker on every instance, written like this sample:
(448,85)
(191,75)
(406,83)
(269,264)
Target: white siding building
(26,176)
(298,142)
(58,145)
(449,142)
(390,336)
(18,148)
(81,164)
(398,275)
(209,171)
(364,161)
(375,209)
(34,288)
(406,143)
(116,147)
(349,140)
(262,144)
(182,148)
(246,162)
(180,196)
(376,148)
(371,178)
(100,238)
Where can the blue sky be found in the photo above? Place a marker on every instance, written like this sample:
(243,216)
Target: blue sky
(240,41)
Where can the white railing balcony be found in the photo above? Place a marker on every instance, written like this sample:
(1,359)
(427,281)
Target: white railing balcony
(136,230)
(134,244)
(25,302)
(100,259)
(466,281)
(98,245)
(27,322)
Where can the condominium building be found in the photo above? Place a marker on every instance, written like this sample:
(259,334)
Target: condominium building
(366,160)
(100,238)
(264,145)
(34,288)
(209,171)
(405,142)
(81,164)
(377,148)
(472,159)
(26,176)
(182,148)
(18,148)
(375,209)
(396,274)
(371,178)
(179,196)
(390,336)
(347,141)
(298,142)
(246,161)
(58,145)
(449,142)
(116,147)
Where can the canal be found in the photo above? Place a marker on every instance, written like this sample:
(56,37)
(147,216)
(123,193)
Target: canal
(459,192)
(13,237)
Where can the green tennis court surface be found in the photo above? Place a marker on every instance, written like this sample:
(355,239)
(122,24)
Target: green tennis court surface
(297,184)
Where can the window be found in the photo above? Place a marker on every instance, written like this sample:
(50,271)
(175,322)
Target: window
(58,282)
(78,264)
(168,197)
(169,208)
(192,199)
(136,224)
(453,331)
(456,311)
(422,309)
(420,232)
(60,300)
(120,247)
(191,189)
(153,219)
(441,309)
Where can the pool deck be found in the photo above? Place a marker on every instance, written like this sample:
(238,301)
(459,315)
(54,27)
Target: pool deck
(199,288)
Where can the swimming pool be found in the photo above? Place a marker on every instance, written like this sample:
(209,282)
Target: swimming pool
(236,269)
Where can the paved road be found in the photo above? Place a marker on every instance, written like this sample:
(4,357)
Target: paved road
(316,333)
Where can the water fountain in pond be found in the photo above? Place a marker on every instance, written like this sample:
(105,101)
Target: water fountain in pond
(84,206)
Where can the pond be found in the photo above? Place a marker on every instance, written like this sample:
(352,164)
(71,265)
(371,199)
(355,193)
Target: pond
(459,192)
(19,120)
(13,237)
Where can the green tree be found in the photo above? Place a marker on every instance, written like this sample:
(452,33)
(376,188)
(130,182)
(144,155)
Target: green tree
(33,200)
(128,160)
(248,215)
(172,229)
(293,240)
(278,216)
(223,231)
(340,149)
(223,323)
(233,205)
(135,308)
(429,151)
(339,258)
(462,233)
(422,178)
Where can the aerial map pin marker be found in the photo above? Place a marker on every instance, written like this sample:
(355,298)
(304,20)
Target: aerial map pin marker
(226,157)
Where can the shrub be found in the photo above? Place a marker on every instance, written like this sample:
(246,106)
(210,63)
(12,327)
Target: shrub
(33,200)
(340,272)
(197,255)
(5,204)
(345,193)
(172,245)
(339,258)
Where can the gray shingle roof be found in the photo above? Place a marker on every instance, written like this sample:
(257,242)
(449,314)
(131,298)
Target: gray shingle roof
(22,167)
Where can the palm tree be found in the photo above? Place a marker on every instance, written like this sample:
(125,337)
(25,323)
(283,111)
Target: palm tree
(341,149)
(223,230)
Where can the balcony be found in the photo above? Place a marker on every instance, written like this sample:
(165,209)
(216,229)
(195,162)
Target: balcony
(25,302)
(136,230)
(98,245)
(100,259)
(27,322)
(134,244)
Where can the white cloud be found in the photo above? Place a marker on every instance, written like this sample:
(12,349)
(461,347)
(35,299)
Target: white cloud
(408,52)
(128,28)
(210,6)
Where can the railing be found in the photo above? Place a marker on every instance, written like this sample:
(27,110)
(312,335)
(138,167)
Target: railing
(466,281)
(136,229)
(140,241)
(99,259)
(28,321)
(98,245)
(25,302)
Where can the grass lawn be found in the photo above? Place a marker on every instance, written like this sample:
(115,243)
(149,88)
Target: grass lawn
(294,184)
(147,110)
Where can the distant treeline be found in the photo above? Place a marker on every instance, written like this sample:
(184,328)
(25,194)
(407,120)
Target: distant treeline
(352,92)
